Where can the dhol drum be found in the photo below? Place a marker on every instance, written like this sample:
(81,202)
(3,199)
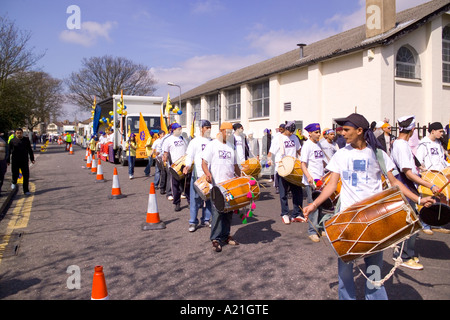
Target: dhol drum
(372,225)
(159,162)
(290,169)
(251,167)
(330,203)
(439,213)
(203,187)
(235,193)
(176,169)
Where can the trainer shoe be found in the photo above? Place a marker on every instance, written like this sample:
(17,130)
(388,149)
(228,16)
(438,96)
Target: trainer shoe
(192,227)
(412,264)
(314,238)
(286,219)
(13,186)
(441,230)
(427,231)
(170,198)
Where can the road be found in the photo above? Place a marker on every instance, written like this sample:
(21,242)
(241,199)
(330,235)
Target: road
(69,222)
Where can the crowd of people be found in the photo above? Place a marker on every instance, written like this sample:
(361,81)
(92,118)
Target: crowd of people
(356,153)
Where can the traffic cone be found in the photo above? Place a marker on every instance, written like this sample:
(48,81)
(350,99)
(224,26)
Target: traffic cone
(87,154)
(152,222)
(71,149)
(100,177)
(99,290)
(94,166)
(116,193)
(89,162)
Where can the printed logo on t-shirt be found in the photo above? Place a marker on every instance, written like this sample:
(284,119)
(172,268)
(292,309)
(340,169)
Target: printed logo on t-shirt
(289,144)
(203,146)
(318,154)
(224,154)
(178,143)
(434,151)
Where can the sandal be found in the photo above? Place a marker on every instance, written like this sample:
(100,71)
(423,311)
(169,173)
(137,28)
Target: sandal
(216,246)
(231,241)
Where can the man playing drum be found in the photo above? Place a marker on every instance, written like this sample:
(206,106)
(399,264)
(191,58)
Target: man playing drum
(360,172)
(403,158)
(176,146)
(219,164)
(313,161)
(194,155)
(286,144)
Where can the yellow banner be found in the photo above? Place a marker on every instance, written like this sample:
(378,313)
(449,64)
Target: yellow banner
(141,139)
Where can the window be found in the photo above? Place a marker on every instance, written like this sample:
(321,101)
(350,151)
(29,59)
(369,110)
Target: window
(446,54)
(196,109)
(407,63)
(260,100)
(234,104)
(213,107)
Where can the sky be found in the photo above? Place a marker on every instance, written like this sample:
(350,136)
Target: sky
(184,42)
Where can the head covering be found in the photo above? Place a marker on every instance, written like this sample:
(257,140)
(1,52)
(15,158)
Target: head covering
(226,125)
(329,131)
(356,120)
(312,127)
(435,126)
(205,123)
(175,126)
(237,126)
(385,125)
(282,126)
(406,123)
(290,126)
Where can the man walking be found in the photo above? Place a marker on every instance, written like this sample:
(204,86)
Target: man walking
(20,149)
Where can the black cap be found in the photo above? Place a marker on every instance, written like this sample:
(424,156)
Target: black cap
(435,126)
(356,119)
(205,123)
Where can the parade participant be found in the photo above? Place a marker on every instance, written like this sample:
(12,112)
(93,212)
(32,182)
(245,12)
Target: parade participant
(175,146)
(253,146)
(68,141)
(93,145)
(286,144)
(131,147)
(408,174)
(242,150)
(4,154)
(313,161)
(430,151)
(279,130)
(358,164)
(340,140)
(149,152)
(166,177)
(219,164)
(156,152)
(19,151)
(386,138)
(328,144)
(194,155)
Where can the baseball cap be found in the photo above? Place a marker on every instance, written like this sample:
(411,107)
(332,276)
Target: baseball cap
(356,119)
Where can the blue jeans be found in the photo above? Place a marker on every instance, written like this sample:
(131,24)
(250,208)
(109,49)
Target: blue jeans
(315,217)
(131,162)
(346,287)
(149,165)
(196,202)
(157,176)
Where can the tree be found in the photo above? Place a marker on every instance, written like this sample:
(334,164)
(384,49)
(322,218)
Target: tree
(103,77)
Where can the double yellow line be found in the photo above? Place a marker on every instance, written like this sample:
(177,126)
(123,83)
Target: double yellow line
(19,218)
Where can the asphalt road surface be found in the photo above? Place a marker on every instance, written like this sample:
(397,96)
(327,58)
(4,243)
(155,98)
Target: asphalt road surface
(70,224)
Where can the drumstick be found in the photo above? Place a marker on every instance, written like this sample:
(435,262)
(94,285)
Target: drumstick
(440,190)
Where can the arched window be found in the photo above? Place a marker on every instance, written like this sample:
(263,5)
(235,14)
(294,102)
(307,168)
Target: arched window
(446,54)
(407,63)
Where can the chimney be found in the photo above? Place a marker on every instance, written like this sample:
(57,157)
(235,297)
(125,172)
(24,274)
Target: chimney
(380,17)
(301,45)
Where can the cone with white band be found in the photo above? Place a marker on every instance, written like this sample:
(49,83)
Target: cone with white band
(116,193)
(153,221)
(94,166)
(100,177)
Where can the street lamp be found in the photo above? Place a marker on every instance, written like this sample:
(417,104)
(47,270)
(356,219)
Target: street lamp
(175,85)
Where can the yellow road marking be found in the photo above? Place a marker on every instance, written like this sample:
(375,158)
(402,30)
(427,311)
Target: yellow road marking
(19,218)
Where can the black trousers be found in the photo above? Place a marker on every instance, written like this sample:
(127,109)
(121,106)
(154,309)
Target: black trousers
(22,165)
(178,187)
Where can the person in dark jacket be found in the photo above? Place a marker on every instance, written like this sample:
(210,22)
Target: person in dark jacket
(19,150)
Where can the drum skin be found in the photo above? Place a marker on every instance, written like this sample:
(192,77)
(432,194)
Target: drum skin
(233,194)
(176,169)
(372,225)
(251,167)
(290,169)
(439,213)
(202,187)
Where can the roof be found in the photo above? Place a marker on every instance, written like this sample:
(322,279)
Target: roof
(343,43)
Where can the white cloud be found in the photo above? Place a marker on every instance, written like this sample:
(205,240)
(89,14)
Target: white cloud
(88,34)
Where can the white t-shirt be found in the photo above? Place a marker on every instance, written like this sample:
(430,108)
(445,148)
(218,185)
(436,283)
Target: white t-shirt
(221,160)
(360,173)
(402,156)
(240,153)
(431,154)
(329,149)
(283,146)
(175,146)
(313,156)
(194,153)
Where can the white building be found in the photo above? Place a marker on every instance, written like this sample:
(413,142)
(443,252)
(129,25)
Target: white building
(381,69)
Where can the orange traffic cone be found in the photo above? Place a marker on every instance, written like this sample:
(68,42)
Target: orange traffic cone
(94,166)
(116,193)
(71,149)
(152,222)
(99,290)
(89,162)
(100,177)
(87,154)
